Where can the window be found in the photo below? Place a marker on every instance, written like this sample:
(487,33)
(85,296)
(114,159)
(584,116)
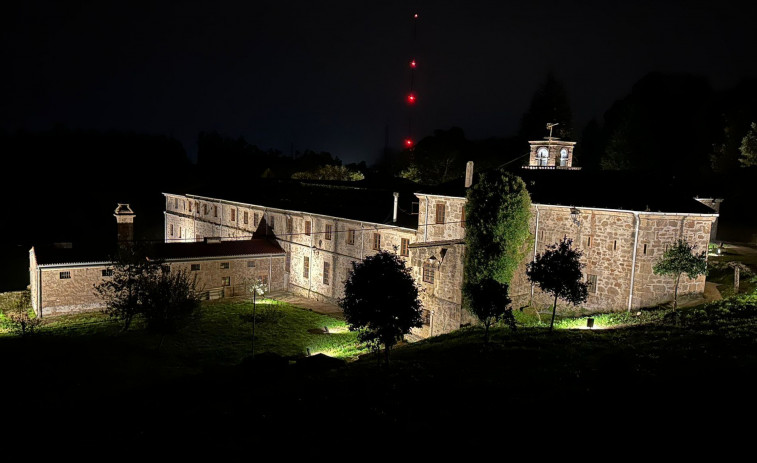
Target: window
(264,279)
(591,283)
(440,213)
(350,236)
(426,317)
(205,209)
(307,227)
(176,203)
(255,219)
(190,206)
(273,221)
(542,156)
(404,251)
(197,206)
(250,264)
(564,157)
(246,217)
(462,216)
(645,249)
(233,215)
(224,265)
(588,242)
(171,229)
(65,275)
(376,241)
(226,281)
(615,245)
(428,273)
(326,273)
(179,232)
(327,235)
(108,272)
(215,211)
(290,225)
(195,267)
(305,267)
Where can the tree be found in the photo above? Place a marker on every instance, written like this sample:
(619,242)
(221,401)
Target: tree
(329,172)
(381,300)
(18,311)
(125,291)
(255,287)
(748,147)
(170,300)
(679,260)
(489,302)
(557,271)
(497,211)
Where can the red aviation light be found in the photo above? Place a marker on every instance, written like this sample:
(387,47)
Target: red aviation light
(412,64)
(411,98)
(415,16)
(408,143)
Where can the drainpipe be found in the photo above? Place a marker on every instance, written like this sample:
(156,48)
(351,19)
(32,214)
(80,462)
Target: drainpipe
(270,272)
(425,225)
(39,290)
(536,242)
(310,270)
(633,261)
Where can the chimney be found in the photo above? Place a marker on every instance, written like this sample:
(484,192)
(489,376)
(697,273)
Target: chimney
(125,220)
(469,174)
(394,214)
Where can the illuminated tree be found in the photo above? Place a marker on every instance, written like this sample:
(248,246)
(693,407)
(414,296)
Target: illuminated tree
(489,302)
(679,260)
(18,311)
(748,147)
(557,271)
(381,300)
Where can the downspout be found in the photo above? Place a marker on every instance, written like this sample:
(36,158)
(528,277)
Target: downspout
(536,242)
(362,240)
(425,225)
(633,261)
(270,272)
(39,290)
(310,270)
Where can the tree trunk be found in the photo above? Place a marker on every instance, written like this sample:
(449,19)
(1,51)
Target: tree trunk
(736,280)
(387,347)
(554,311)
(675,294)
(486,332)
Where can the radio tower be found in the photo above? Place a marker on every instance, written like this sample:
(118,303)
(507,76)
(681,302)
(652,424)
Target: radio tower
(411,96)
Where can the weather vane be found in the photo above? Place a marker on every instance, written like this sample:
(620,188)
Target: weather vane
(549,127)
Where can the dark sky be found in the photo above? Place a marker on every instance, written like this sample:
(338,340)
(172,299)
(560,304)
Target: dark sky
(332,75)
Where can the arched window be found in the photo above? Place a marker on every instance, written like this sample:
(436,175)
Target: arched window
(564,157)
(542,156)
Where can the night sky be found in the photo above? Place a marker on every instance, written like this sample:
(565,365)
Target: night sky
(333,75)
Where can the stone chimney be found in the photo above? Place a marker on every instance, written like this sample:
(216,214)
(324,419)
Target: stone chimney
(394,214)
(125,221)
(469,174)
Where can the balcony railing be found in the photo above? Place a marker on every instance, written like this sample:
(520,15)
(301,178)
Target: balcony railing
(551,168)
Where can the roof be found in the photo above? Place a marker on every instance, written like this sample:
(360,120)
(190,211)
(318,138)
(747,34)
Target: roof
(361,201)
(633,191)
(103,254)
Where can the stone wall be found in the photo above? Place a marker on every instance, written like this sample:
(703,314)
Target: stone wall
(68,295)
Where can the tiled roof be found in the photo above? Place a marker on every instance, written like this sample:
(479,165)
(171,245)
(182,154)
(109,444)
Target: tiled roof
(106,253)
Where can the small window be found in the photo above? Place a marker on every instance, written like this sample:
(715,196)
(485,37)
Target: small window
(226,281)
(588,242)
(290,225)
(272,219)
(440,213)
(591,284)
(376,241)
(250,264)
(350,236)
(195,267)
(327,235)
(180,232)
(65,275)
(307,227)
(205,209)
(326,273)
(224,265)
(428,273)
(462,216)
(171,229)
(176,203)
(404,250)
(645,249)
(190,206)
(108,272)
(246,217)
(305,267)
(255,219)
(615,245)
(215,211)
(233,215)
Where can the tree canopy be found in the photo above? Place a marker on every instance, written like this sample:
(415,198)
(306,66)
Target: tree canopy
(381,300)
(497,212)
(489,301)
(680,259)
(557,271)
(748,147)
